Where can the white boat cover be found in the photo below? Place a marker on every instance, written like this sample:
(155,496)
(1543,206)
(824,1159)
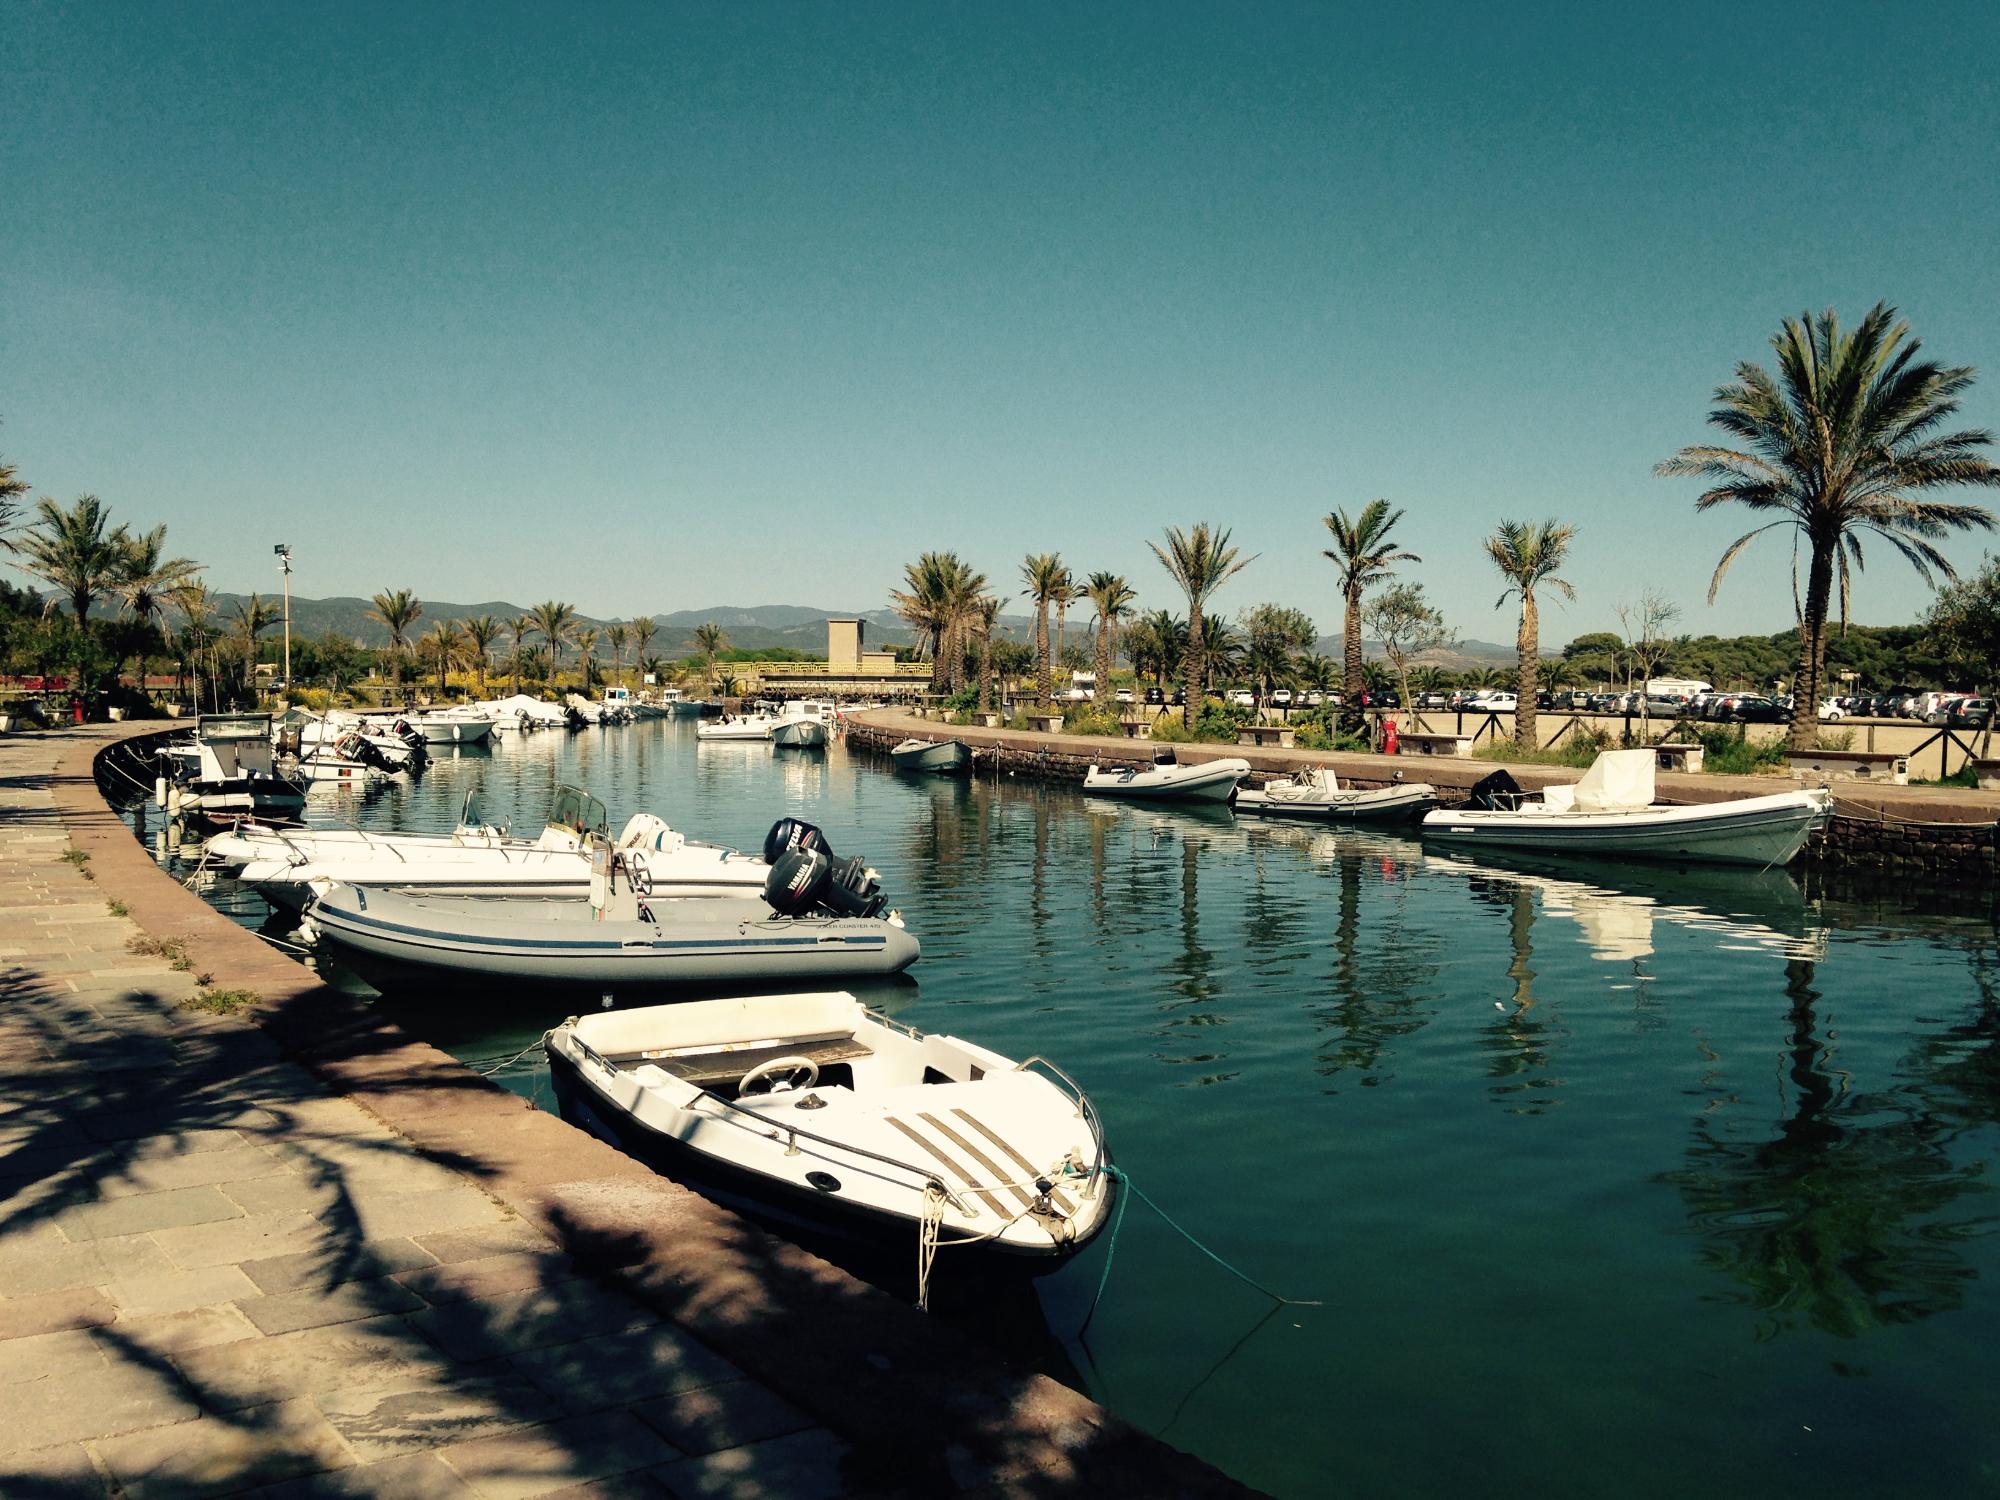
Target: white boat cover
(1617,781)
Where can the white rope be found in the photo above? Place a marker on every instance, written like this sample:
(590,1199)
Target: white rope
(930,1224)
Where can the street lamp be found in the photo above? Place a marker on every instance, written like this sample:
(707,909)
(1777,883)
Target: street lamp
(284,552)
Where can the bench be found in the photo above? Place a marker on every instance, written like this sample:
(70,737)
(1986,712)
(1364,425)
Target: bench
(1850,765)
(1988,772)
(1680,757)
(992,720)
(1283,736)
(1426,743)
(709,1070)
(1046,723)
(1137,729)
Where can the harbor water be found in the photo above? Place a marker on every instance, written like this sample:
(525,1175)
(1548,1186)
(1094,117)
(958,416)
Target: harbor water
(1608,1179)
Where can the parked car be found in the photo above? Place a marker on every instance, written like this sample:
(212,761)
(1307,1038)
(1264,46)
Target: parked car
(1830,710)
(1971,713)
(1243,698)
(1123,695)
(1497,703)
(1434,699)
(1281,698)
(1752,708)
(1155,696)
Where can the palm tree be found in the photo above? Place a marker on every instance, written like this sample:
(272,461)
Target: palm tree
(446,648)
(145,580)
(1112,598)
(1319,674)
(965,590)
(938,601)
(1156,641)
(1223,651)
(253,617)
(397,612)
(12,488)
(615,636)
(1364,555)
(1841,442)
(481,631)
(1200,562)
(710,640)
(552,620)
(520,627)
(1066,594)
(1527,555)
(985,616)
(1046,578)
(586,650)
(76,551)
(192,599)
(643,630)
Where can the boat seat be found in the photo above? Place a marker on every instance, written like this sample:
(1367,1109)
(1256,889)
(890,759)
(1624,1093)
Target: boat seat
(708,1069)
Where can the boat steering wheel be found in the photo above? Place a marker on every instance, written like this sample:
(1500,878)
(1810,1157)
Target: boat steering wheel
(794,1071)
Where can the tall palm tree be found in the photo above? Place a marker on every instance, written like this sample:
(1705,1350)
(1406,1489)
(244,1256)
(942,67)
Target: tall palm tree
(615,636)
(1046,578)
(586,651)
(75,551)
(1842,441)
(12,488)
(520,627)
(445,648)
(481,631)
(964,592)
(1365,556)
(710,640)
(1200,561)
(197,607)
(934,602)
(1112,598)
(986,614)
(145,580)
(1527,554)
(553,620)
(252,618)
(1066,594)
(1156,642)
(643,630)
(396,612)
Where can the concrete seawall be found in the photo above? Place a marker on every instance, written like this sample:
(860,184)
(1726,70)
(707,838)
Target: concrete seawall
(293,1244)
(1940,833)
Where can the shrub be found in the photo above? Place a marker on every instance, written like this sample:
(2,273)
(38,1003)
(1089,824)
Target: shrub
(1731,752)
(1090,721)
(1218,722)
(1835,739)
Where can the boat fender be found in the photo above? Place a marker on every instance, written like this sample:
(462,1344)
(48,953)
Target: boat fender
(788,834)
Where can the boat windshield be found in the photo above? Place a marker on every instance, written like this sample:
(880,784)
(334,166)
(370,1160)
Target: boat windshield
(572,807)
(217,728)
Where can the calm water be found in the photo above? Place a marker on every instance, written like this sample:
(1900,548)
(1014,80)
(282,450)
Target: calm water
(1635,1181)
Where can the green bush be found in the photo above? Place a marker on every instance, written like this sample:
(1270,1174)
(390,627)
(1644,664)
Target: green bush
(1090,721)
(1731,753)
(1218,722)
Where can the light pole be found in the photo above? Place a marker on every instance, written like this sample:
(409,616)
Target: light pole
(284,552)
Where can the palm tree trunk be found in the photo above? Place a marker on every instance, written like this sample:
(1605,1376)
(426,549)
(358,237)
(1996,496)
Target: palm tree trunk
(985,670)
(1104,664)
(937,658)
(1194,691)
(1350,641)
(1527,646)
(1812,650)
(1044,688)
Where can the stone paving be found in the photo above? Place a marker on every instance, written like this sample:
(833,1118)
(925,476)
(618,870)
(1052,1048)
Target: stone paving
(220,1273)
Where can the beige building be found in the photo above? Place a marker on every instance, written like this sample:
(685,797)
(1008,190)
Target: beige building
(850,670)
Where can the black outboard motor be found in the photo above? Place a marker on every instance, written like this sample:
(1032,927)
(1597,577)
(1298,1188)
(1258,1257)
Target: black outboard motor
(573,718)
(409,734)
(1496,793)
(806,881)
(788,834)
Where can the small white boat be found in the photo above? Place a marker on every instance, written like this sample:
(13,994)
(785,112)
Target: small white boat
(939,757)
(228,771)
(1611,813)
(813,1111)
(736,727)
(526,712)
(448,726)
(1167,780)
(1315,792)
(798,729)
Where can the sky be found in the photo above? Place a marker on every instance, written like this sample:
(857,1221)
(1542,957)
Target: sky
(659,307)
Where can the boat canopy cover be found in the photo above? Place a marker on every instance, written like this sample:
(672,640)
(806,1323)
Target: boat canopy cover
(1617,780)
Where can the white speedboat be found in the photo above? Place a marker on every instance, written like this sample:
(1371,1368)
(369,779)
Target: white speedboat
(736,727)
(228,771)
(1315,792)
(527,712)
(1167,780)
(939,757)
(1611,813)
(799,728)
(813,1111)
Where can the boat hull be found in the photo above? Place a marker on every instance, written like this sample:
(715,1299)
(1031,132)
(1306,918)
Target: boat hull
(1398,804)
(799,734)
(1210,781)
(1760,831)
(937,757)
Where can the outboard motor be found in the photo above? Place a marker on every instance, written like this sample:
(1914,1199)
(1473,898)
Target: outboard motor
(1499,792)
(788,834)
(363,752)
(805,880)
(573,718)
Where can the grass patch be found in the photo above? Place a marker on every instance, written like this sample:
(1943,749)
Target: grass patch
(173,950)
(118,908)
(78,861)
(218,1002)
(1964,776)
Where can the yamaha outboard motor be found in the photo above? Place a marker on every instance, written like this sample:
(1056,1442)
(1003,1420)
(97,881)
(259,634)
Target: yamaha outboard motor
(409,734)
(807,881)
(788,834)
(573,718)
(1496,793)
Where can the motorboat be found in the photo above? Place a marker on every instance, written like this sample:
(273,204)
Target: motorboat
(285,865)
(1168,780)
(1610,812)
(736,727)
(817,918)
(814,1112)
(798,729)
(440,726)
(939,757)
(228,771)
(529,713)
(1316,792)
(389,748)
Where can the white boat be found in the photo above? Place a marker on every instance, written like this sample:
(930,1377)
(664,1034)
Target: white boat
(796,728)
(228,771)
(525,711)
(736,727)
(939,757)
(1611,813)
(813,1111)
(1167,780)
(446,726)
(285,865)
(1315,792)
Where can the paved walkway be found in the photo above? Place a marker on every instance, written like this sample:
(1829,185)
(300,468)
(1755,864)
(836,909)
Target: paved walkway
(292,1252)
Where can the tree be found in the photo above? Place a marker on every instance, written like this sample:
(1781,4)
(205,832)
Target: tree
(12,488)
(1046,578)
(1274,637)
(1364,555)
(643,630)
(586,651)
(710,640)
(939,601)
(986,617)
(1156,642)
(446,648)
(197,607)
(145,579)
(397,612)
(1644,628)
(481,631)
(1111,596)
(1066,593)
(252,618)
(76,551)
(520,628)
(1200,562)
(1842,442)
(1964,622)
(1406,624)
(615,636)
(1527,555)
(553,620)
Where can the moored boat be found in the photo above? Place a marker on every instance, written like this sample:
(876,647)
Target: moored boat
(1316,792)
(227,771)
(1167,780)
(814,1111)
(736,727)
(940,757)
(1611,812)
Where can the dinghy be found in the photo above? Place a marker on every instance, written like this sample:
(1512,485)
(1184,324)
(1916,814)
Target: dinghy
(818,919)
(1167,780)
(1315,792)
(799,727)
(1611,813)
(939,757)
(735,727)
(813,1111)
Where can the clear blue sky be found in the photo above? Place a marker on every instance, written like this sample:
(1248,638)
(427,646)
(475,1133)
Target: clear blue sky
(657,307)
